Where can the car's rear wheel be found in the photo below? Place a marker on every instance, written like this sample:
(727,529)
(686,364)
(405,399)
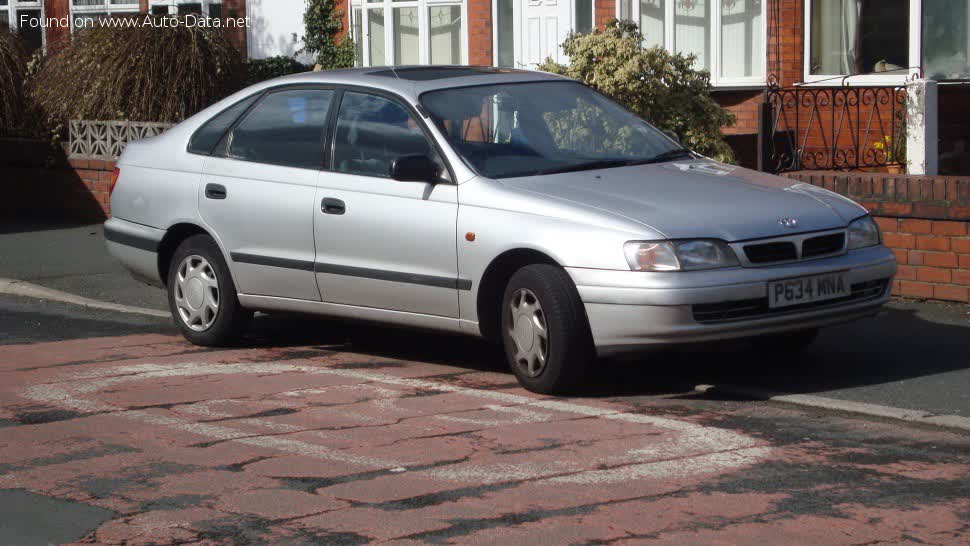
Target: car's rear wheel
(786,343)
(202,296)
(544,330)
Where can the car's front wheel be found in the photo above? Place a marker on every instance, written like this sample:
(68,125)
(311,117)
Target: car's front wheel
(202,296)
(544,330)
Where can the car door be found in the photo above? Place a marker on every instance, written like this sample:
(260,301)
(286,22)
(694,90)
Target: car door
(384,243)
(258,194)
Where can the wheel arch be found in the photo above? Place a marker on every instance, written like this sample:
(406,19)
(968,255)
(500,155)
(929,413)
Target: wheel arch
(174,236)
(488,302)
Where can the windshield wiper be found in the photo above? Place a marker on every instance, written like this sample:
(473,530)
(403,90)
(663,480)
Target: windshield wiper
(669,155)
(589,166)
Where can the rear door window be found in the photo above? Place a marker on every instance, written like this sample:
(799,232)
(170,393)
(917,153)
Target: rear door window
(286,128)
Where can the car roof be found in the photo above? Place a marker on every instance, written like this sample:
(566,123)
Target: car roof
(412,81)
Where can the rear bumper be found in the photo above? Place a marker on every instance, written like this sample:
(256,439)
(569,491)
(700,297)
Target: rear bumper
(628,309)
(136,247)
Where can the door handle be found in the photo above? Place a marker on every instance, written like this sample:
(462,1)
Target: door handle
(215,191)
(333,206)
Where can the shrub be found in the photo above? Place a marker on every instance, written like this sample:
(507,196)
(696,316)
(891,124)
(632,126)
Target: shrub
(13,71)
(138,72)
(266,69)
(323,23)
(659,86)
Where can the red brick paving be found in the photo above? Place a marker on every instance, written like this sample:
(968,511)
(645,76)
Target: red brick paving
(302,444)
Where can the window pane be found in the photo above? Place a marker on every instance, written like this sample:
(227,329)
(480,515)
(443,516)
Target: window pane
(4,17)
(859,36)
(506,46)
(206,138)
(626,10)
(186,9)
(584,16)
(946,39)
(285,128)
(159,10)
(406,45)
(372,132)
(445,22)
(32,32)
(375,28)
(358,38)
(692,30)
(215,11)
(742,52)
(652,17)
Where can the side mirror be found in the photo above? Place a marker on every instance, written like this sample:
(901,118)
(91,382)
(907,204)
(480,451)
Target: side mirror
(415,168)
(672,135)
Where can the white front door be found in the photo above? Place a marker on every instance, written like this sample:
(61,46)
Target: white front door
(541,28)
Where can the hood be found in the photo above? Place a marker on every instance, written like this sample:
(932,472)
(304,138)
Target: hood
(699,199)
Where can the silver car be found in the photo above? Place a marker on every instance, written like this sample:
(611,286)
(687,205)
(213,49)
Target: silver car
(514,205)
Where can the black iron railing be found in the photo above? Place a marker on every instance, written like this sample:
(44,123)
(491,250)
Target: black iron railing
(832,128)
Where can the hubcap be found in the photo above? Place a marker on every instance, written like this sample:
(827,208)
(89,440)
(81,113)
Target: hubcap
(196,293)
(528,332)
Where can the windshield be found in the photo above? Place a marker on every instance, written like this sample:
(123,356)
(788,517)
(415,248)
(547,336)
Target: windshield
(510,130)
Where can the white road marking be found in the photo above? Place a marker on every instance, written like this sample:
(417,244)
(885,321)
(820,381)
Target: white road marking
(693,450)
(25,289)
(847,406)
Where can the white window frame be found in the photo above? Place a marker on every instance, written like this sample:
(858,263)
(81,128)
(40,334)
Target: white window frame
(105,6)
(174,4)
(424,27)
(915,45)
(758,80)
(13,18)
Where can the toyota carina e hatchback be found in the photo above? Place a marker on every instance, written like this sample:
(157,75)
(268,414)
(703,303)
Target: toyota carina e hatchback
(515,205)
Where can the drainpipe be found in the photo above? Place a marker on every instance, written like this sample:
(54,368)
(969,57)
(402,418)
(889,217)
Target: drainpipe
(922,127)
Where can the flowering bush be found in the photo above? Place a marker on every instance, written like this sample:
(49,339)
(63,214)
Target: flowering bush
(661,87)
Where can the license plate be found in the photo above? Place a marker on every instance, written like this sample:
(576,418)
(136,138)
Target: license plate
(808,289)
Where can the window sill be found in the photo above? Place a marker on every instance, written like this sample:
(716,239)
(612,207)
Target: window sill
(866,80)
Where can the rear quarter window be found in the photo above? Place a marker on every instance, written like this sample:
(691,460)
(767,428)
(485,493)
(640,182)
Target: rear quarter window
(208,136)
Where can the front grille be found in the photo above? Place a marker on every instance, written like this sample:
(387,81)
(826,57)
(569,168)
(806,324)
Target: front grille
(728,311)
(820,246)
(771,252)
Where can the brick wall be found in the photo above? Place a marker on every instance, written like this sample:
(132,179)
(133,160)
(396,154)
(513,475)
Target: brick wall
(78,192)
(58,36)
(925,221)
(745,106)
(480,32)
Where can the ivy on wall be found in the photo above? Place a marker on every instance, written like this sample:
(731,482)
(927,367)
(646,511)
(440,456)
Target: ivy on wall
(323,22)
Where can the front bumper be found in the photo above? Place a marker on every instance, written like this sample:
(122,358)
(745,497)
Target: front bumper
(629,309)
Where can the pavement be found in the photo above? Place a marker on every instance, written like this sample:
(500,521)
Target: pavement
(115,430)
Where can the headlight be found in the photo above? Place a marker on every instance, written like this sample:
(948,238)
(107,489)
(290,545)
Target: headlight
(678,255)
(862,233)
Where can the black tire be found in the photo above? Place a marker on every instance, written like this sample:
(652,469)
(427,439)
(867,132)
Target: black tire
(569,345)
(786,343)
(231,320)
